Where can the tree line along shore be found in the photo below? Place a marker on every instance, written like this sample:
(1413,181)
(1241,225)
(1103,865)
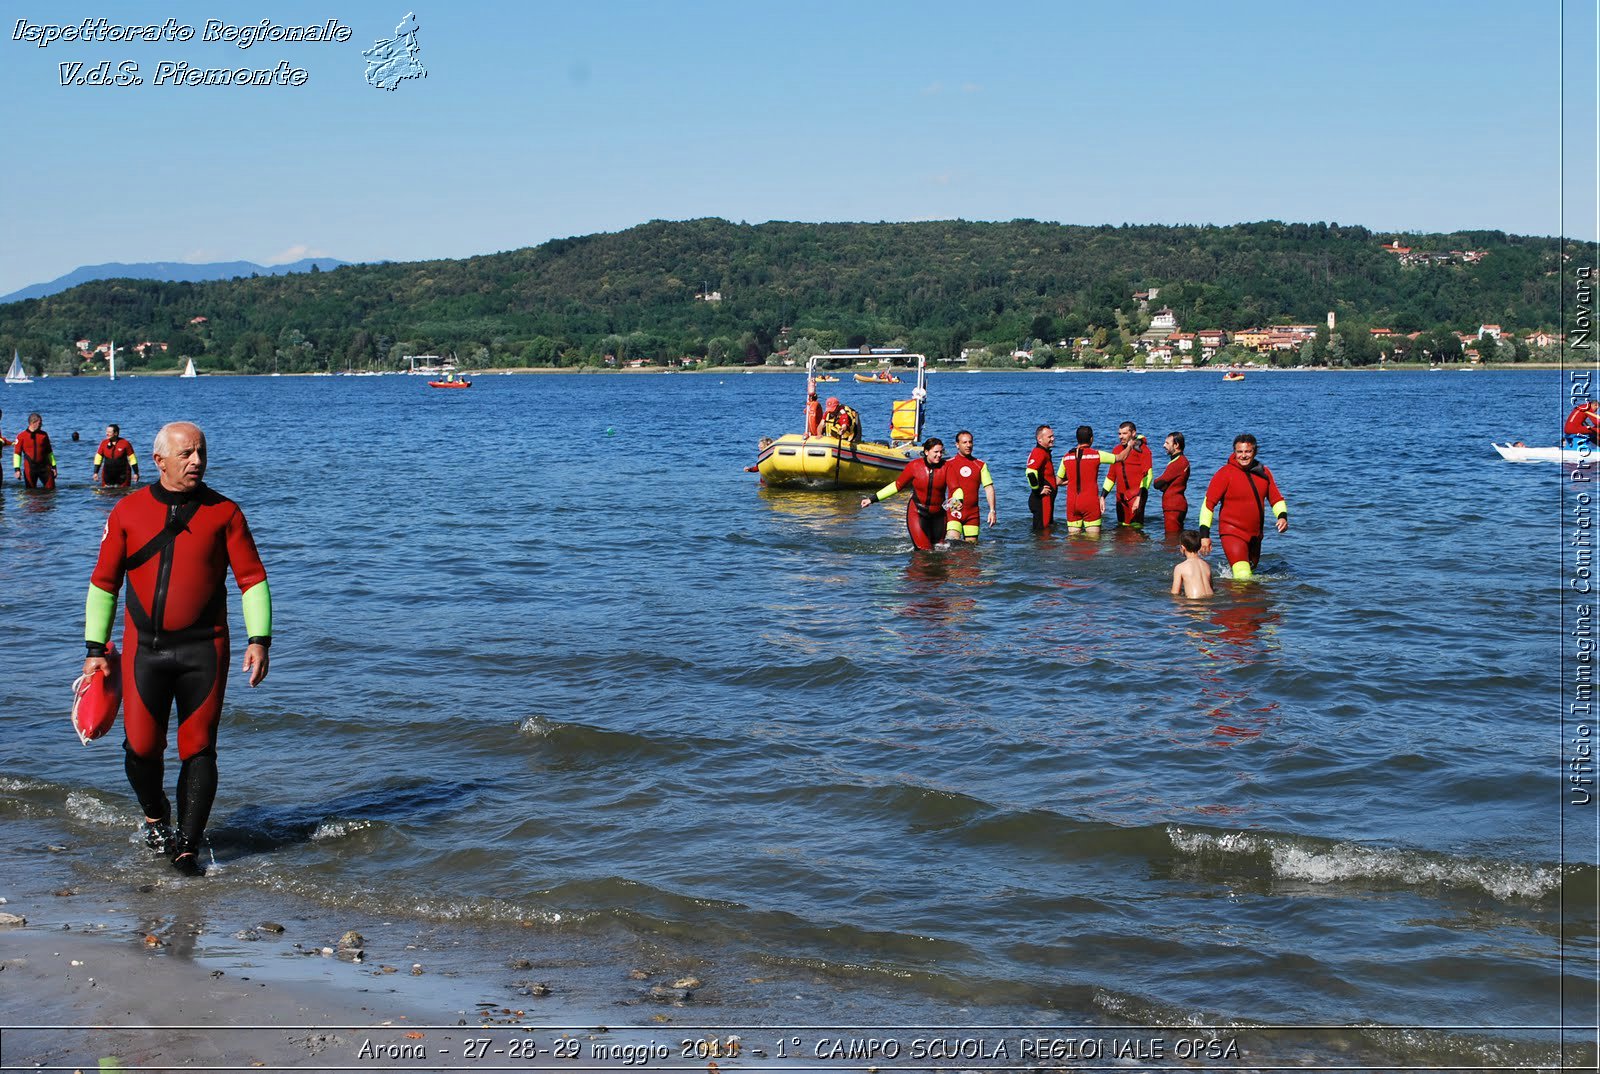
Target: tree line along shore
(709,293)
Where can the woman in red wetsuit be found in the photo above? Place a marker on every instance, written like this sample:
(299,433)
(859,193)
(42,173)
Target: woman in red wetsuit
(926,514)
(1173,484)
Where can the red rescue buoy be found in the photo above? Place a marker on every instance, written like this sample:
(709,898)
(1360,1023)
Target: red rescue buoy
(96,699)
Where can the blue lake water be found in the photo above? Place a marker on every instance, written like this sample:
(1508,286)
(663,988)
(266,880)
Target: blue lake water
(547,659)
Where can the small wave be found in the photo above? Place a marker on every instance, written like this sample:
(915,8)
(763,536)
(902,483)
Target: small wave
(86,807)
(10,784)
(602,745)
(1301,859)
(537,726)
(338,829)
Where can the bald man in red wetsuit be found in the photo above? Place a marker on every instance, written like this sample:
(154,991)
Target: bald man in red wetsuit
(172,543)
(1041,475)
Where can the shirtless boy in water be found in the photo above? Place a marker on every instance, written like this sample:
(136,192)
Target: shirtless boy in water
(1192,577)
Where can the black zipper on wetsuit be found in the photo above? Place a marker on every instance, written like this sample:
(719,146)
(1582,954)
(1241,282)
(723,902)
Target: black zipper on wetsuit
(158,605)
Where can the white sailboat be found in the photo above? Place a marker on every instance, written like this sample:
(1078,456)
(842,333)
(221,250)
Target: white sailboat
(16,374)
(111,360)
(188,369)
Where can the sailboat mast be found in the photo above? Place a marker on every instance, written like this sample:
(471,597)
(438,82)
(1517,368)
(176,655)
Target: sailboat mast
(111,362)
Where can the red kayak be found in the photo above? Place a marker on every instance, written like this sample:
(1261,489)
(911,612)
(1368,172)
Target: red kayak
(96,699)
(449,383)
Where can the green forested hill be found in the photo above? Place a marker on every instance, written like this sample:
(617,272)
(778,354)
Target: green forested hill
(933,287)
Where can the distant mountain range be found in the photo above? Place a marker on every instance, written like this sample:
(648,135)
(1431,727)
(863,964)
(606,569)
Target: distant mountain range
(172,271)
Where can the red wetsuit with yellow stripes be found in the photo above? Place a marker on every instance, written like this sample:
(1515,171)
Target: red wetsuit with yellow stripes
(967,475)
(1237,500)
(1080,474)
(1131,477)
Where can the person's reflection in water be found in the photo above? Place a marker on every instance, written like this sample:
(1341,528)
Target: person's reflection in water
(940,597)
(1235,630)
(37,501)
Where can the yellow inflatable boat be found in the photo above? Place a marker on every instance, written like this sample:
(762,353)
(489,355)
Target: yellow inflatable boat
(796,460)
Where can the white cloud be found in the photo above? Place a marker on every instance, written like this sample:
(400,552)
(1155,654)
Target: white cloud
(971,87)
(932,89)
(295,253)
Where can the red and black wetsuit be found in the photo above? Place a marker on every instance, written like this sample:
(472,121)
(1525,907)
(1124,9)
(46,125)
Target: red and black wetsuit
(1080,473)
(1130,478)
(1174,485)
(36,458)
(926,519)
(113,461)
(175,633)
(1042,483)
(1238,499)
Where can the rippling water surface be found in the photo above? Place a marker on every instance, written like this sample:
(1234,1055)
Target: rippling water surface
(546,654)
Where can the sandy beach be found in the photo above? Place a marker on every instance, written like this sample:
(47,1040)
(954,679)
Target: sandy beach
(151,977)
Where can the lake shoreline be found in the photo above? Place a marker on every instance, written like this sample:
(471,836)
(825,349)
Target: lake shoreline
(939,368)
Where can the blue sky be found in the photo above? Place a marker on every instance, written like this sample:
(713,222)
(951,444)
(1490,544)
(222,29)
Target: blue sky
(543,120)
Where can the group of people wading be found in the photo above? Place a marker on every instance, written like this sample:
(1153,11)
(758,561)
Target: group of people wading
(33,457)
(944,492)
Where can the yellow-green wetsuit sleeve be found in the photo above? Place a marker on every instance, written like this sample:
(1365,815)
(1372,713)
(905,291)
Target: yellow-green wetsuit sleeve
(257,601)
(99,608)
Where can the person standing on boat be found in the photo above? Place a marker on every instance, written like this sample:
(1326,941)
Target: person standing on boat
(1130,475)
(928,478)
(1237,499)
(1584,421)
(1041,475)
(32,457)
(172,542)
(813,413)
(115,464)
(1173,484)
(966,476)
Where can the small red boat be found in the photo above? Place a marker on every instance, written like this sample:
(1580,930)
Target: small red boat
(449,383)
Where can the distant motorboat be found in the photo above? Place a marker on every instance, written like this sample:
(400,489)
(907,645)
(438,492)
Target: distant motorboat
(16,374)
